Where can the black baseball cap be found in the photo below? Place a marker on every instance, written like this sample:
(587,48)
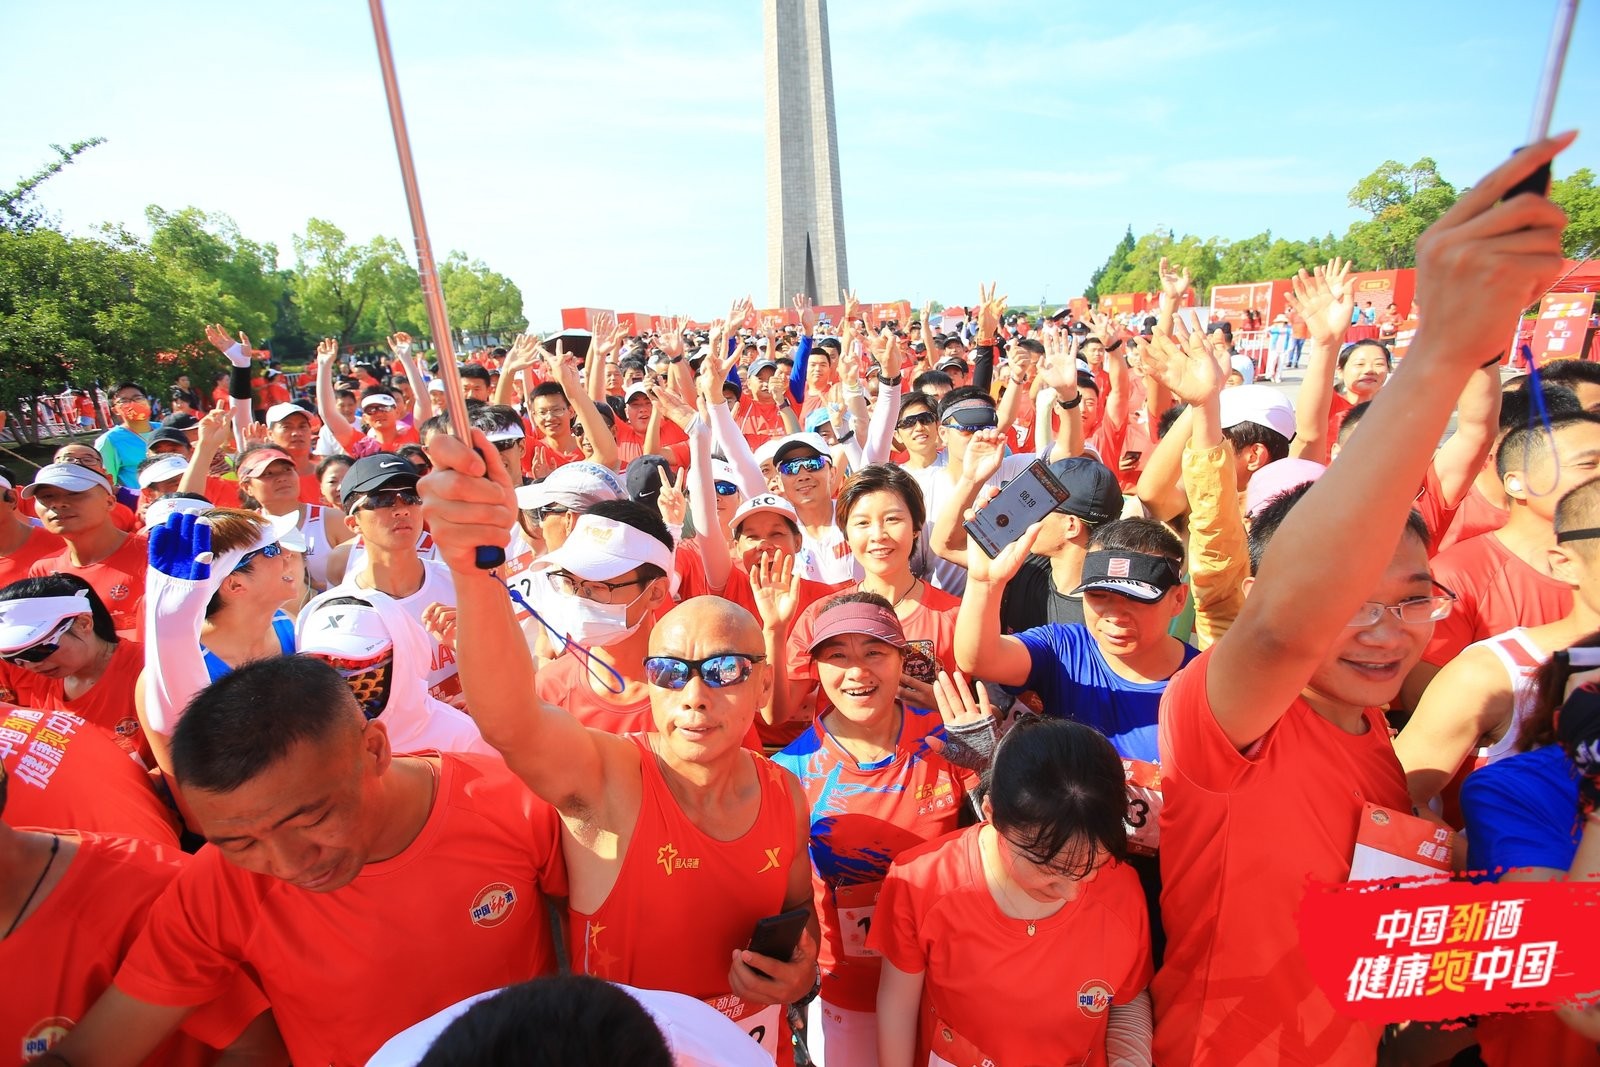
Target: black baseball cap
(180,420)
(377,471)
(171,435)
(1135,575)
(1094,495)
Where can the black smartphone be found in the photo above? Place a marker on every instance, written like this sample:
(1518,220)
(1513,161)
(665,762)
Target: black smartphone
(777,936)
(1021,502)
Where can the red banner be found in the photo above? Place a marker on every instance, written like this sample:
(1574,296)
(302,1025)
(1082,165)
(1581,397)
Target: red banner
(1562,326)
(1440,950)
(883,314)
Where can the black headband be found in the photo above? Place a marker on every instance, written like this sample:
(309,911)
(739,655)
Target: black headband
(1588,533)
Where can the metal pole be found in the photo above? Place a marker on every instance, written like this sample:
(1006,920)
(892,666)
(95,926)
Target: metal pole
(489,556)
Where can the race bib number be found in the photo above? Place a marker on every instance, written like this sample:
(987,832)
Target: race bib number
(1397,844)
(947,1048)
(856,904)
(761,1023)
(1144,806)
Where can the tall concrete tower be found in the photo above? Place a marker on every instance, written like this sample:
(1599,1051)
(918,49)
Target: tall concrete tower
(805,211)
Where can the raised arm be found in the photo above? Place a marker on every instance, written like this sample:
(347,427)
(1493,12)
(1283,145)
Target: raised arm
(239,400)
(559,759)
(1459,459)
(1058,392)
(1477,267)
(982,651)
(991,310)
(886,408)
(985,453)
(1174,283)
(608,336)
(523,354)
(559,369)
(422,403)
(1323,299)
(327,404)
(213,433)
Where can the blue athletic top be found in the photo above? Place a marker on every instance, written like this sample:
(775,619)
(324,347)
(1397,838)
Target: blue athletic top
(282,625)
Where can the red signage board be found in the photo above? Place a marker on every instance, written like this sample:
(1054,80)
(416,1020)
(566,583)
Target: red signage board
(1562,326)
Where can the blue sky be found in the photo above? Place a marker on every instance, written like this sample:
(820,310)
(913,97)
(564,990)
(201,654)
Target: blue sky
(610,153)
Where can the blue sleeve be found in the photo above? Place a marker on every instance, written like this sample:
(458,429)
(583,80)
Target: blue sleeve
(1516,820)
(1050,647)
(797,376)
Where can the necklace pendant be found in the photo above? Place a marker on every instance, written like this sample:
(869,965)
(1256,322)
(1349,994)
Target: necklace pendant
(1030,929)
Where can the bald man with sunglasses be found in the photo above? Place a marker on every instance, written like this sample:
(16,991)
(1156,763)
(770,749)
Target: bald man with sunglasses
(654,903)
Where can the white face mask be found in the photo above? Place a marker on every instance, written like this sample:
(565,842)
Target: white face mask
(588,623)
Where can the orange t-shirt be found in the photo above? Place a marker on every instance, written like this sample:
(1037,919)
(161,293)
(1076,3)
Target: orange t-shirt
(1241,837)
(108,704)
(118,580)
(862,817)
(630,442)
(459,911)
(675,878)
(937,917)
(65,774)
(1473,516)
(310,491)
(70,948)
(739,592)
(40,544)
(1496,591)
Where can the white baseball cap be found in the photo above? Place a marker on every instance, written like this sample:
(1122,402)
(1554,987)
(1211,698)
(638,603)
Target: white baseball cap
(382,400)
(435,385)
(768,503)
(1260,404)
(27,621)
(351,632)
(278,412)
(69,476)
(512,432)
(166,507)
(576,486)
(168,466)
(599,549)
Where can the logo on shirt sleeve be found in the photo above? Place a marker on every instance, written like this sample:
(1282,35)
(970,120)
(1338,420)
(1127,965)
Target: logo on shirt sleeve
(493,904)
(44,1035)
(1095,997)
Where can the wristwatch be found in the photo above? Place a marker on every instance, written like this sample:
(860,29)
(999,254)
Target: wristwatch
(1068,405)
(890,381)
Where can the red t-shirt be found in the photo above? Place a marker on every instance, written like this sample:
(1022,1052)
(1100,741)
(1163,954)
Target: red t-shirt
(1533,1037)
(108,704)
(862,817)
(70,948)
(540,453)
(40,544)
(459,911)
(65,774)
(738,591)
(761,420)
(675,878)
(1337,410)
(1019,998)
(630,442)
(1241,836)
(1496,591)
(118,580)
(1450,526)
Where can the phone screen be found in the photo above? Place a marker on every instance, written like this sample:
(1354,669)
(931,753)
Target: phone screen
(1023,501)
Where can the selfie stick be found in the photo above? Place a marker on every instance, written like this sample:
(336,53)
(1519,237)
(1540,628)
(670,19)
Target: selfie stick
(1544,104)
(488,556)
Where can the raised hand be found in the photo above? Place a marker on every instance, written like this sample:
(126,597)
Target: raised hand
(927,320)
(1004,567)
(1174,283)
(400,344)
(608,333)
(1103,328)
(991,310)
(255,434)
(327,352)
(891,353)
(672,501)
(465,502)
(1324,299)
(181,547)
(556,367)
(238,352)
(440,622)
(807,311)
(673,406)
(852,306)
(971,728)
(984,452)
(216,426)
(671,339)
(1059,367)
(524,355)
(849,361)
(1191,369)
(775,587)
(739,315)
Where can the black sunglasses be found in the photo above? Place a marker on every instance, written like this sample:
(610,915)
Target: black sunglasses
(921,418)
(718,672)
(726,489)
(385,499)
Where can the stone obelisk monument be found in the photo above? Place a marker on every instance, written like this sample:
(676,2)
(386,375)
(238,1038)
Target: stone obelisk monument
(805,211)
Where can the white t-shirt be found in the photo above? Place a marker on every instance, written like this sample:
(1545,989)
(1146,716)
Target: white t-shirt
(697,1034)
(827,559)
(437,588)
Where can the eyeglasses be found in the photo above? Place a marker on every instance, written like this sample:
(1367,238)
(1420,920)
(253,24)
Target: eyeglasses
(718,672)
(389,498)
(811,464)
(508,446)
(541,514)
(599,592)
(921,418)
(43,650)
(272,551)
(1414,610)
(376,408)
(726,489)
(970,428)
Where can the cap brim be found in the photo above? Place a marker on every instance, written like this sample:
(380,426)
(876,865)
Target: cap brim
(1143,592)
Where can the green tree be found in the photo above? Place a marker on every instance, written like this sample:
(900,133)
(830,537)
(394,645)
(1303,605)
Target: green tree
(482,303)
(19,212)
(1115,265)
(224,276)
(1577,195)
(1403,202)
(342,286)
